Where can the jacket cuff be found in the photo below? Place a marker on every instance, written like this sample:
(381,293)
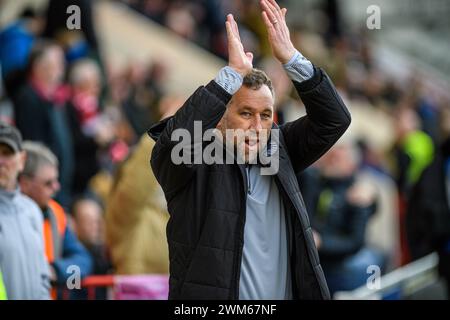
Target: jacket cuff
(218,91)
(311,83)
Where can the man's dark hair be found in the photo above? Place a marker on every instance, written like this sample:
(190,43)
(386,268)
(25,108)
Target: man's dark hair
(38,50)
(86,196)
(256,79)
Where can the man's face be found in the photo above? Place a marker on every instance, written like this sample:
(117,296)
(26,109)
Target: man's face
(88,221)
(51,66)
(251,111)
(11,164)
(42,186)
(91,84)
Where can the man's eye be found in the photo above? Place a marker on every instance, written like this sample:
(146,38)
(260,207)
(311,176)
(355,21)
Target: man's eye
(265,116)
(246,114)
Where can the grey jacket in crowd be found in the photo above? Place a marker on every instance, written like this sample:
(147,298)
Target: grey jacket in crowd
(22,257)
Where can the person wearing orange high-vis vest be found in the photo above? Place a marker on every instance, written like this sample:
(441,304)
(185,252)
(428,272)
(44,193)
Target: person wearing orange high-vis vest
(55,223)
(65,253)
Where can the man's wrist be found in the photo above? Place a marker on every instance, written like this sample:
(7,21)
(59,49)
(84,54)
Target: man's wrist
(299,68)
(229,79)
(294,57)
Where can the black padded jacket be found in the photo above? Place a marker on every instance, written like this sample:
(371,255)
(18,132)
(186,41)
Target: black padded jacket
(207,203)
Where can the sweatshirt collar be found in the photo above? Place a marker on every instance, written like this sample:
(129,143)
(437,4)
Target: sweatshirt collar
(10,195)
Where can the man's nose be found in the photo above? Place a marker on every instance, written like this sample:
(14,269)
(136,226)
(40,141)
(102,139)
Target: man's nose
(256,123)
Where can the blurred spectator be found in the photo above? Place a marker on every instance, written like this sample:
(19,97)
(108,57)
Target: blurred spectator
(413,151)
(428,215)
(137,239)
(90,131)
(180,20)
(154,9)
(6,106)
(144,92)
(200,21)
(16,41)
(22,258)
(334,26)
(90,229)
(252,26)
(423,104)
(386,218)
(40,112)
(89,226)
(340,207)
(77,43)
(39,180)
(136,217)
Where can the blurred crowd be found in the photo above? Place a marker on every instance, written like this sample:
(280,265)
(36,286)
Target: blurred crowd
(84,124)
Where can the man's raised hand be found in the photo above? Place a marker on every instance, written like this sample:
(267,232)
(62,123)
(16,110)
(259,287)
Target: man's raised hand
(279,38)
(238,59)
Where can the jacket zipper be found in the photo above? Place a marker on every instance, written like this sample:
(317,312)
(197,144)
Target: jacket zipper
(239,247)
(249,182)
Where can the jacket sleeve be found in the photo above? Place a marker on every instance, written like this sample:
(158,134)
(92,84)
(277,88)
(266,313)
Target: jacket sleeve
(74,253)
(309,137)
(207,104)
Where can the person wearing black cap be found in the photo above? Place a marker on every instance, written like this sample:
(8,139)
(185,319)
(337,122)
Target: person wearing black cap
(22,259)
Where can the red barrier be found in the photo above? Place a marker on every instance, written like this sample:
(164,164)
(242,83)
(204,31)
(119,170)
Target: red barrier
(97,281)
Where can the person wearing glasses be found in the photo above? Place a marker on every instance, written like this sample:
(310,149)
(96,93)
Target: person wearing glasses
(39,181)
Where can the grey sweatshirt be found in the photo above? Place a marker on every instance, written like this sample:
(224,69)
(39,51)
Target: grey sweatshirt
(265,272)
(22,257)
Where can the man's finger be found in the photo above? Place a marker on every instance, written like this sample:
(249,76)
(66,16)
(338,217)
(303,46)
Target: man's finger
(230,20)
(236,30)
(267,21)
(228,28)
(275,4)
(233,26)
(276,12)
(273,19)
